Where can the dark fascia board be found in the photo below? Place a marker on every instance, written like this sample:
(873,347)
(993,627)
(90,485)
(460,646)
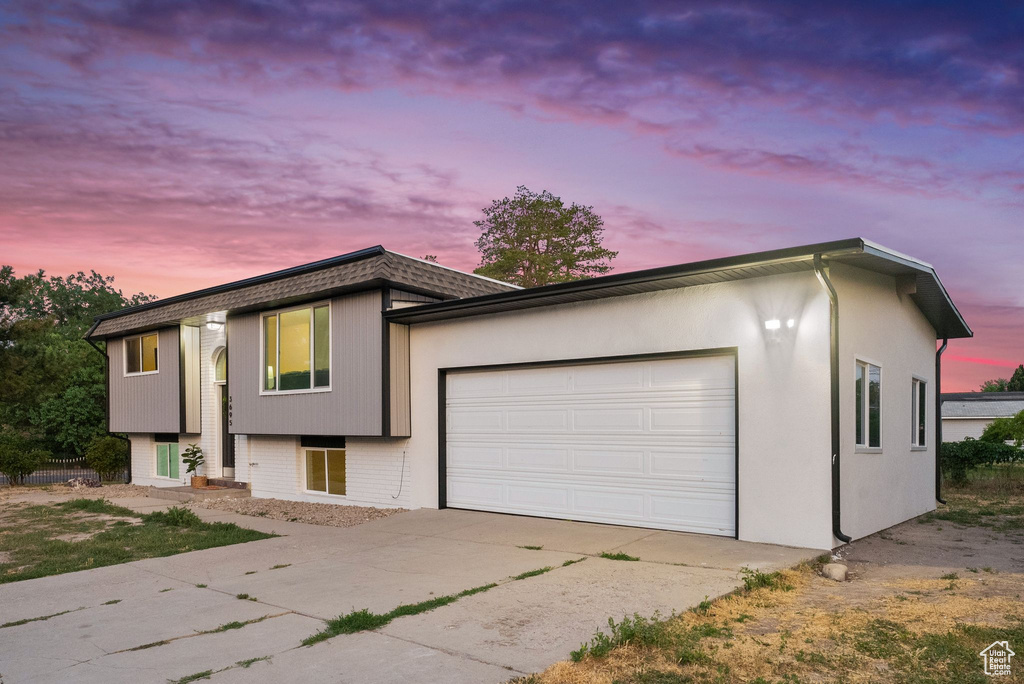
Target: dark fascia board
(535,296)
(255,280)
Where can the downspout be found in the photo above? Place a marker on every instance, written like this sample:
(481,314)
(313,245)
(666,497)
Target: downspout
(833,307)
(938,421)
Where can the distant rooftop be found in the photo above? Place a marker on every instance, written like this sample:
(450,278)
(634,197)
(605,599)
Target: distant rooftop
(982,404)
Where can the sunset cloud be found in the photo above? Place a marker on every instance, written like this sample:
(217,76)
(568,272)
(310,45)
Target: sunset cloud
(179,144)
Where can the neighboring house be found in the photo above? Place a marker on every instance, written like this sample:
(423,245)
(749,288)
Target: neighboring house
(967,414)
(728,397)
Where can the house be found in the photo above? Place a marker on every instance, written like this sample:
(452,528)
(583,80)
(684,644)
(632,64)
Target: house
(787,396)
(967,414)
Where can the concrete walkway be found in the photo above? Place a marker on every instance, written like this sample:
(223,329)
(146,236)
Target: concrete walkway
(517,627)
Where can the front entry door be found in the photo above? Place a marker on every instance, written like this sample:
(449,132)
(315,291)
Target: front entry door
(227,440)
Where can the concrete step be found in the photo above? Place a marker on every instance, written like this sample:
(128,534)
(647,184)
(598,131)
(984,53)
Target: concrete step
(230,484)
(185,494)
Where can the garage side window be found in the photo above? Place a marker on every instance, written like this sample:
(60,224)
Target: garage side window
(918,412)
(868,405)
(141,354)
(325,471)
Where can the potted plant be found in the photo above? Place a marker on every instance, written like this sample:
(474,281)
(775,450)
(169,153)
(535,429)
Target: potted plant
(193,458)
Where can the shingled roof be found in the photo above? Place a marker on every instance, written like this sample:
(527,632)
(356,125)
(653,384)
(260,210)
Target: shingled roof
(366,269)
(982,404)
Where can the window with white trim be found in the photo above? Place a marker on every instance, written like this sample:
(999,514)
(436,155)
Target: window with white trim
(141,354)
(167,459)
(297,349)
(918,412)
(325,471)
(869,405)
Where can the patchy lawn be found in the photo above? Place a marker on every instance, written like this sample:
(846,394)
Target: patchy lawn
(924,599)
(41,540)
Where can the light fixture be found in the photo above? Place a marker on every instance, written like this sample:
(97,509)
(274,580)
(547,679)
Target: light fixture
(214,325)
(790,323)
(773,324)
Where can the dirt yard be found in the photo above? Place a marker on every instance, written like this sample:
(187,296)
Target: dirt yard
(922,600)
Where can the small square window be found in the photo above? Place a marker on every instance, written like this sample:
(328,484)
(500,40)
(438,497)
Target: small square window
(325,471)
(142,354)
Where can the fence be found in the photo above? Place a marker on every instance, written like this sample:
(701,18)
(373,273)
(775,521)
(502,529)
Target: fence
(60,469)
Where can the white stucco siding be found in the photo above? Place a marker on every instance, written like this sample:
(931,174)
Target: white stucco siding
(881,326)
(957,429)
(784,437)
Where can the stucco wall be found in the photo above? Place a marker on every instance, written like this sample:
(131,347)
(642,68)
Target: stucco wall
(880,326)
(957,429)
(784,438)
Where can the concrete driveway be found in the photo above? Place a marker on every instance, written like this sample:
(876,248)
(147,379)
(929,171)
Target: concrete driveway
(152,632)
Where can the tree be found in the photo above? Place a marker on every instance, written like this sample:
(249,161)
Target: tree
(534,239)
(1010,429)
(1016,383)
(995,385)
(432,258)
(51,380)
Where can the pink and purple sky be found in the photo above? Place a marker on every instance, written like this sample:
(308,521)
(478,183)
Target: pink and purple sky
(178,144)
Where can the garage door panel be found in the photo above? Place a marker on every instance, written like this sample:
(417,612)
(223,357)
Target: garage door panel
(646,443)
(470,420)
(474,385)
(520,458)
(475,456)
(608,462)
(608,420)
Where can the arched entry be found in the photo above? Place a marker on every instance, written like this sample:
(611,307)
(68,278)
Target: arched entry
(226,441)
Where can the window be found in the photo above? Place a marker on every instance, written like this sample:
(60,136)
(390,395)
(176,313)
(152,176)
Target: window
(869,409)
(167,460)
(220,367)
(918,412)
(297,349)
(141,354)
(325,471)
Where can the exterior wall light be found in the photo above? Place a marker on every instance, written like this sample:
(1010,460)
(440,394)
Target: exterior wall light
(214,325)
(773,324)
(790,323)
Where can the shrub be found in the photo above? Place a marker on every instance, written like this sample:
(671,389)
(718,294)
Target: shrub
(108,456)
(1009,429)
(174,517)
(18,459)
(958,458)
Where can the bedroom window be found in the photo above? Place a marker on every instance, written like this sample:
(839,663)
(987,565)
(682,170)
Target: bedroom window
(297,350)
(325,471)
(141,354)
(869,405)
(918,412)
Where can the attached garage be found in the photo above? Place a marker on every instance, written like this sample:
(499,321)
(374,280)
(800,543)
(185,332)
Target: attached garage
(645,441)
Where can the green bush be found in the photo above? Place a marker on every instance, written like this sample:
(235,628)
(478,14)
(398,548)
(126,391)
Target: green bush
(958,458)
(1010,429)
(18,459)
(108,456)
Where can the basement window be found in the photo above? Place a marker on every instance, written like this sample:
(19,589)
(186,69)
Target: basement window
(167,460)
(141,354)
(325,471)
(868,405)
(918,413)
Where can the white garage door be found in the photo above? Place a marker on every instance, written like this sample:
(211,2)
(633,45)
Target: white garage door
(645,443)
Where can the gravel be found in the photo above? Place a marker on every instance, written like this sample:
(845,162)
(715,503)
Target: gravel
(335,515)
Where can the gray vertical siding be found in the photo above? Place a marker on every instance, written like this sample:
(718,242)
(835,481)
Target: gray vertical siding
(190,365)
(412,297)
(401,419)
(146,403)
(352,407)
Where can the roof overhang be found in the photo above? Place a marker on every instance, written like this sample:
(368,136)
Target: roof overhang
(929,294)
